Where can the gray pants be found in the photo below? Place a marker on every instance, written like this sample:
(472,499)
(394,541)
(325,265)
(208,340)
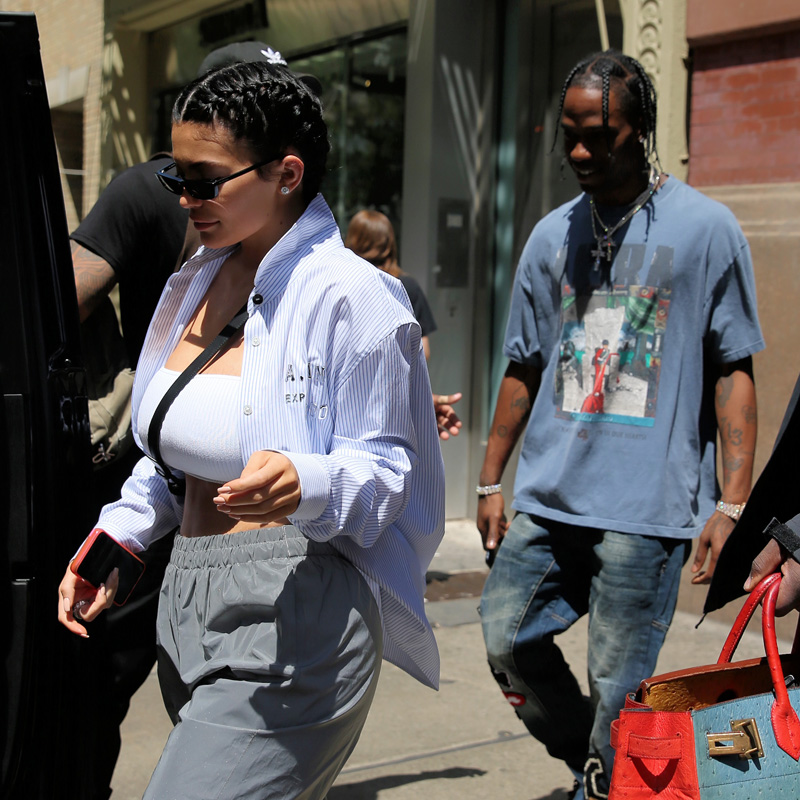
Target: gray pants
(269,654)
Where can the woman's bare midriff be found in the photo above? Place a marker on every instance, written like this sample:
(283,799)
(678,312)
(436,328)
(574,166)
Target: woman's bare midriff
(227,293)
(200,515)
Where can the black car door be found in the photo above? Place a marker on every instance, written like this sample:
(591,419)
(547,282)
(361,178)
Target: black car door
(45,737)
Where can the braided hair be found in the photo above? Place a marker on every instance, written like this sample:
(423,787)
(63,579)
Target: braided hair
(635,90)
(265,106)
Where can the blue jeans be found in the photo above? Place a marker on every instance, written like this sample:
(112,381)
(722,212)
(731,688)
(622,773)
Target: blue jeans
(545,577)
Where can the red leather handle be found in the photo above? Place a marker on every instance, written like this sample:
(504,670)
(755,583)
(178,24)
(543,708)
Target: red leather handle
(743,617)
(785,723)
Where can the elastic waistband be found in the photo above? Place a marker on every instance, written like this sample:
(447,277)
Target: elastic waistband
(260,544)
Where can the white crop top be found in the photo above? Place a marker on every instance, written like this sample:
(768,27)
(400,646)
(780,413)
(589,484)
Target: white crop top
(199,435)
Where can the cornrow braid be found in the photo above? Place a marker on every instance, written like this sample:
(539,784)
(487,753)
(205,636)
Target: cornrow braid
(637,95)
(267,107)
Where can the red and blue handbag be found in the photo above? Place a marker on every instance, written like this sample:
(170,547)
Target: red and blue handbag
(729,730)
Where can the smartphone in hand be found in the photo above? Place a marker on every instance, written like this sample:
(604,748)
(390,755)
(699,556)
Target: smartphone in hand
(99,555)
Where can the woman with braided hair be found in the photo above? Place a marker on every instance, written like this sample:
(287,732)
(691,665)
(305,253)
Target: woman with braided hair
(297,452)
(617,469)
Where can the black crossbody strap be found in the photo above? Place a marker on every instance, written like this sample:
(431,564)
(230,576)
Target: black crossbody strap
(178,485)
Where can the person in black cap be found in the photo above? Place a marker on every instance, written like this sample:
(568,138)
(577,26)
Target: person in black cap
(113,247)
(242,52)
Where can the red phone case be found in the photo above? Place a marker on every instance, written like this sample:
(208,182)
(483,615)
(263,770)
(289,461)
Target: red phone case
(127,582)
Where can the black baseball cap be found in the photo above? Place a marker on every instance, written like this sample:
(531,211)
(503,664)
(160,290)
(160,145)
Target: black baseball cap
(238,52)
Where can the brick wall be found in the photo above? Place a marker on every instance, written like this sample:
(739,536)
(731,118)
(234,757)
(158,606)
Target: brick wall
(745,112)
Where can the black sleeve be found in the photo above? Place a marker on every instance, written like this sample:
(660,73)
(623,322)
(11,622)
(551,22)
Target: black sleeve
(139,229)
(132,213)
(419,303)
(788,535)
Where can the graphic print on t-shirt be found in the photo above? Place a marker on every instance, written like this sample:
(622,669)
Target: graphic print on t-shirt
(609,361)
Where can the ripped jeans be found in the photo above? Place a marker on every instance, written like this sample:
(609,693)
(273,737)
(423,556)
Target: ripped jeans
(545,577)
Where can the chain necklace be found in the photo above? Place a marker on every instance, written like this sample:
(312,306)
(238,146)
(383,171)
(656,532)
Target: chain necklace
(605,237)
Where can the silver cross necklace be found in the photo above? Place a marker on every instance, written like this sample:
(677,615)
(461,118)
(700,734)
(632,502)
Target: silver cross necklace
(605,236)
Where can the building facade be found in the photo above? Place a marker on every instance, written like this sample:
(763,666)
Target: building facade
(744,133)
(441,112)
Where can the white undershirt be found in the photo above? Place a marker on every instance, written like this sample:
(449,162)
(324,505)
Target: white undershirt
(199,435)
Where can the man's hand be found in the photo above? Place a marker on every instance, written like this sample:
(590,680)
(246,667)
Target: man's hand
(446,419)
(714,535)
(774,558)
(735,411)
(514,401)
(268,490)
(492,523)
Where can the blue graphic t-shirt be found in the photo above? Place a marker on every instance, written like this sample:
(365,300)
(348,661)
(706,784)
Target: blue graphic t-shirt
(622,434)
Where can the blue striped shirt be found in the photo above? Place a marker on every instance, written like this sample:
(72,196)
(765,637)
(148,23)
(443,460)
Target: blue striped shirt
(333,376)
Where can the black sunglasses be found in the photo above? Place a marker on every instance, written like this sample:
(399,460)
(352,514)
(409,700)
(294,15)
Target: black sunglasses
(201,188)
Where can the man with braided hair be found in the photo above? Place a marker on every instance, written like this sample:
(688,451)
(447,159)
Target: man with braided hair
(659,278)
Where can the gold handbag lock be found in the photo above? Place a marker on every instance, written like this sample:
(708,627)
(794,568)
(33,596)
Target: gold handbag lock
(743,740)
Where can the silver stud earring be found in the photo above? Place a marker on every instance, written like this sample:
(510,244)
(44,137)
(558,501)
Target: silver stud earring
(284,190)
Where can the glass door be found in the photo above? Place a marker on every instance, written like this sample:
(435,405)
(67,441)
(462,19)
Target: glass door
(364,85)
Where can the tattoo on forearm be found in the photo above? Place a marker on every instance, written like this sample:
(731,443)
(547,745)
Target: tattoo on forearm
(94,278)
(749,413)
(733,435)
(731,463)
(520,405)
(723,390)
(502,431)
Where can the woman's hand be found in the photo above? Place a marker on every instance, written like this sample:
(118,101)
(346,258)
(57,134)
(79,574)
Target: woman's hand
(268,490)
(446,419)
(79,600)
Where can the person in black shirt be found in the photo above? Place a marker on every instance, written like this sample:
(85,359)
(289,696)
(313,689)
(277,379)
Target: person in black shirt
(134,237)
(370,234)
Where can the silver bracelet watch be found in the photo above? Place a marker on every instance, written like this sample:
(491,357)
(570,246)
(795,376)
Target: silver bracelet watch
(732,510)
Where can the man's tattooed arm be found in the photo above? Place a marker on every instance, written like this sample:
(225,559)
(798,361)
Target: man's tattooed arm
(735,408)
(517,392)
(94,279)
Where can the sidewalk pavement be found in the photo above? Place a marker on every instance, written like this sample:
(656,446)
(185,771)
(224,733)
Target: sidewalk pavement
(463,741)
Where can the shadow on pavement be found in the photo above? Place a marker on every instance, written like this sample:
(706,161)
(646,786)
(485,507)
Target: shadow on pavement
(453,586)
(558,794)
(368,790)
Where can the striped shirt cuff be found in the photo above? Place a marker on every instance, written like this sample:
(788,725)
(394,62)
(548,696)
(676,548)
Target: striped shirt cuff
(314,485)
